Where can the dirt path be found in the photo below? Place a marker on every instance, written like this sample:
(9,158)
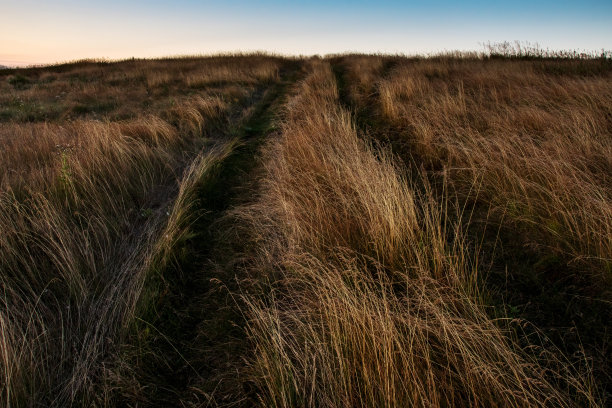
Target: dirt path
(197,338)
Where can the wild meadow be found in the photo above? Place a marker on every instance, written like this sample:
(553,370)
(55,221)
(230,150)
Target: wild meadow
(353,230)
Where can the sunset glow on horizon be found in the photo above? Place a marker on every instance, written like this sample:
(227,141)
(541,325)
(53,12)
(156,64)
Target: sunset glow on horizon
(36,32)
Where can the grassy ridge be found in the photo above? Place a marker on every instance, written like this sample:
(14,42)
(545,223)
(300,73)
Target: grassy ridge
(387,231)
(126,89)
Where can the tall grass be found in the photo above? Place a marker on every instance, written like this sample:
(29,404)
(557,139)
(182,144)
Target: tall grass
(85,212)
(539,144)
(365,285)
(128,89)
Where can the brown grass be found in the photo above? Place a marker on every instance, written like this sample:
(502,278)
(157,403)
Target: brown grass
(538,144)
(127,89)
(366,295)
(88,209)
(74,252)
(365,284)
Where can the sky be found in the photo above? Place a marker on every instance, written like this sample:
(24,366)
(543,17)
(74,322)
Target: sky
(49,31)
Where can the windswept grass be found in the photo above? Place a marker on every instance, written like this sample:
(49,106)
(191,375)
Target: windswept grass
(366,285)
(75,238)
(416,232)
(128,89)
(539,145)
(523,143)
(89,212)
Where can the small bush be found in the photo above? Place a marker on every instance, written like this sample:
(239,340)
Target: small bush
(19,81)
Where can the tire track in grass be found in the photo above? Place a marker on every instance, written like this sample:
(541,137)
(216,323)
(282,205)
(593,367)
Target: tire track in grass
(521,295)
(195,338)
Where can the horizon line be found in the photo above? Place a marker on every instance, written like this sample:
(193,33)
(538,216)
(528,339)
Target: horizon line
(590,53)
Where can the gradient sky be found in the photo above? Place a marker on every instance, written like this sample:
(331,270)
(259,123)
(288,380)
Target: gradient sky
(38,32)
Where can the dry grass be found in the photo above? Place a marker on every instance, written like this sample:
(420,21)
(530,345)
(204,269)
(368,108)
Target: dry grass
(75,243)
(218,73)
(365,285)
(366,295)
(127,89)
(89,209)
(538,143)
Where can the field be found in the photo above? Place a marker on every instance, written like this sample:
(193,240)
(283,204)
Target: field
(354,230)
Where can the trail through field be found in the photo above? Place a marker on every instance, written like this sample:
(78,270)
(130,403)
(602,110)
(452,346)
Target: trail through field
(532,285)
(258,230)
(198,341)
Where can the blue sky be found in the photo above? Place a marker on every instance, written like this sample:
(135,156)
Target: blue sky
(33,32)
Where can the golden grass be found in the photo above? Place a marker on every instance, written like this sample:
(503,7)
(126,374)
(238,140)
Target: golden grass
(77,230)
(89,209)
(360,74)
(366,286)
(126,89)
(218,73)
(41,352)
(539,144)
(363,286)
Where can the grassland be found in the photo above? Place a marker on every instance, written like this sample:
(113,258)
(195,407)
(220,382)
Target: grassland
(355,230)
